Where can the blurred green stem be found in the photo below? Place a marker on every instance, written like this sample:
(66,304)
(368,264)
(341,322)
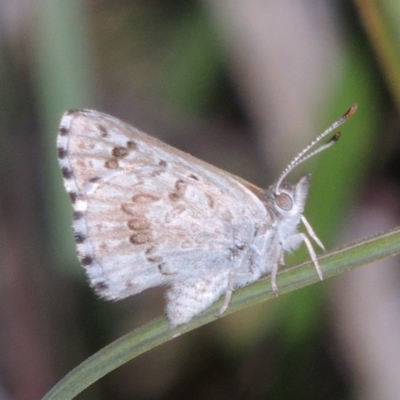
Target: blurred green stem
(384,42)
(157,332)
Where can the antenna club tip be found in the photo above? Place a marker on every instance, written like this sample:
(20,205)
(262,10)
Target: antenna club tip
(336,136)
(350,112)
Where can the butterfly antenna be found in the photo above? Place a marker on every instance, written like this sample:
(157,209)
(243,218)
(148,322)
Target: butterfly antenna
(305,154)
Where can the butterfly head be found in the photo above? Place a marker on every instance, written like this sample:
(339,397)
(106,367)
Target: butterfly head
(290,200)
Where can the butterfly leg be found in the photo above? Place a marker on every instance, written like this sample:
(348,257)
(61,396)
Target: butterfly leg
(311,232)
(238,278)
(301,237)
(277,261)
(228,296)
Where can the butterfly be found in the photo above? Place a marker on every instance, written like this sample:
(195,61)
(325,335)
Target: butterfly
(146,214)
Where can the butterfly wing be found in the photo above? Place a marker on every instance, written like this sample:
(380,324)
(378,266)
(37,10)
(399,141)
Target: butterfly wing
(146,214)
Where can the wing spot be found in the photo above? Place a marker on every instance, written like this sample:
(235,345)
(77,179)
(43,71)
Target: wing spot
(180,189)
(66,173)
(111,164)
(79,237)
(138,224)
(192,176)
(144,198)
(100,286)
(210,200)
(174,196)
(156,172)
(77,215)
(140,237)
(62,153)
(131,145)
(103,131)
(156,259)
(86,260)
(163,268)
(129,209)
(119,152)
(150,250)
(73,196)
(162,163)
(63,131)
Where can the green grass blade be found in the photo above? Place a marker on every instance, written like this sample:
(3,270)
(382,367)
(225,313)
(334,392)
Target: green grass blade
(157,332)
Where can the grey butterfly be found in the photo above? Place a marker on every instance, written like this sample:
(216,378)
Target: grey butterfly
(146,214)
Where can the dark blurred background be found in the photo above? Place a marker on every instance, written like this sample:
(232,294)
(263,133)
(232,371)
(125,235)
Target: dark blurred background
(243,85)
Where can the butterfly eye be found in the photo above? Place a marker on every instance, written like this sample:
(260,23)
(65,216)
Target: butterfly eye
(284,201)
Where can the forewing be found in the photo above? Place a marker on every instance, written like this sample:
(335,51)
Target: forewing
(146,214)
